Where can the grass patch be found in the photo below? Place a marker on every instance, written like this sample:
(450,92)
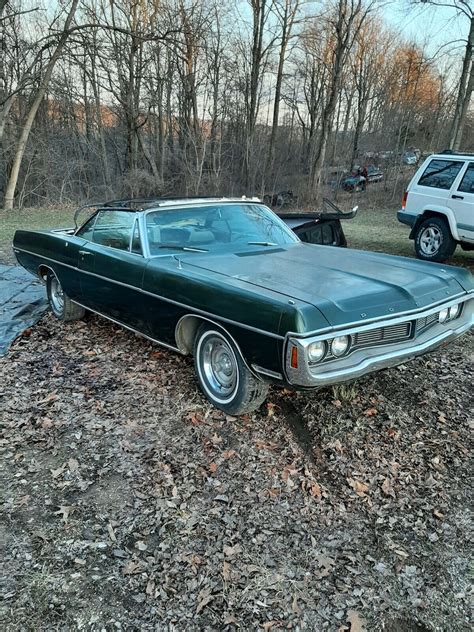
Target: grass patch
(34,219)
(378,229)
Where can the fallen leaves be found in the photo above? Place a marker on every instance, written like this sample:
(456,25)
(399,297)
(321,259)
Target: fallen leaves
(232,551)
(56,473)
(64,511)
(370,412)
(355,621)
(132,567)
(207,518)
(204,598)
(359,487)
(49,398)
(111,532)
(387,487)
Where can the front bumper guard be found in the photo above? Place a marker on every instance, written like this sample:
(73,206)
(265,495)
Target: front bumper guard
(374,359)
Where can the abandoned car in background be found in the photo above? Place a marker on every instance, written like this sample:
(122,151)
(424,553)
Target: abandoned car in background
(227,281)
(358,179)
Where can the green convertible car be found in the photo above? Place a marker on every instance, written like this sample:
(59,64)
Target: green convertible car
(227,281)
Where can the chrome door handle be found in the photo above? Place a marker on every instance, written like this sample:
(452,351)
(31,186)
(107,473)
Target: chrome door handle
(85,252)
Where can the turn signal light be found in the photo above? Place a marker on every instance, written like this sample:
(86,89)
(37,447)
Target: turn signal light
(294,358)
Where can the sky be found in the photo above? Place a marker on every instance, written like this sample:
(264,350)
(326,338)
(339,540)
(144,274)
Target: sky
(430,26)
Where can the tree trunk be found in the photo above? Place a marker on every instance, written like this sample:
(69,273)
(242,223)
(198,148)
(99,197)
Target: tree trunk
(287,24)
(345,29)
(361,114)
(258,12)
(4,112)
(466,84)
(43,86)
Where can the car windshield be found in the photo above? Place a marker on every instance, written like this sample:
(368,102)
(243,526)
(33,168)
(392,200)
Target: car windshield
(214,227)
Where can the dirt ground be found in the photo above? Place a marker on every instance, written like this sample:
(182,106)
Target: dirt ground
(129,503)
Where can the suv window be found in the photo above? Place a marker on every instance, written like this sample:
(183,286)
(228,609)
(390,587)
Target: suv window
(113,229)
(440,174)
(467,183)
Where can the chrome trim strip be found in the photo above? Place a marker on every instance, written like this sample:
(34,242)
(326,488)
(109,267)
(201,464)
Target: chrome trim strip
(164,298)
(273,374)
(136,331)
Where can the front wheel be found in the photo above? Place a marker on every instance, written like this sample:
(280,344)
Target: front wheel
(433,240)
(61,305)
(222,374)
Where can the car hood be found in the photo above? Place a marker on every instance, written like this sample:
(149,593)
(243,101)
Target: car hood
(345,285)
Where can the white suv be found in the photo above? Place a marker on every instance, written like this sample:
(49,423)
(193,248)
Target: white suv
(439,206)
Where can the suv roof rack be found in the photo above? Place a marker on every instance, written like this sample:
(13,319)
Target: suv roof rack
(456,153)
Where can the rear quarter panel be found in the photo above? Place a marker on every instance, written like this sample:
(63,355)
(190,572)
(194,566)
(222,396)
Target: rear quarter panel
(57,251)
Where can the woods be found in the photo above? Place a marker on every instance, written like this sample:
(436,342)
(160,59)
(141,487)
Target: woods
(104,99)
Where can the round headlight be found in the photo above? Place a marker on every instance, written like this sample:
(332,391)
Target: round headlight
(339,345)
(443,315)
(316,351)
(454,311)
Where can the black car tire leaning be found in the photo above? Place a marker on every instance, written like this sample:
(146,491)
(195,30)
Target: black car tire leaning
(61,305)
(447,245)
(245,393)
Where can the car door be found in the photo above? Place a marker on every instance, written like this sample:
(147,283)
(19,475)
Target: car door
(111,266)
(462,203)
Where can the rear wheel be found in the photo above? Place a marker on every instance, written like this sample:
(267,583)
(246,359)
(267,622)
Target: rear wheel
(433,240)
(61,305)
(222,374)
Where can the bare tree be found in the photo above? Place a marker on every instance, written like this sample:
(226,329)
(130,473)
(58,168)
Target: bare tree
(345,23)
(465,9)
(286,11)
(178,96)
(43,86)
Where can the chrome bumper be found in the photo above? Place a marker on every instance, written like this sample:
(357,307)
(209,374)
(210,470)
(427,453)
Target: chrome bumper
(376,358)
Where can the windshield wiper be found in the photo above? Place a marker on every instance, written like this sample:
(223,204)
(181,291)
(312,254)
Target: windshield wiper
(185,248)
(261,243)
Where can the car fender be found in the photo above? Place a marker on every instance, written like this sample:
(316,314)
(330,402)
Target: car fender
(433,211)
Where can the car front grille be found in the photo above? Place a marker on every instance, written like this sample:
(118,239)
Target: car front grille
(382,335)
(390,334)
(425,322)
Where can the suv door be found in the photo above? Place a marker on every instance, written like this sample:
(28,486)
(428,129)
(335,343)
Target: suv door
(462,203)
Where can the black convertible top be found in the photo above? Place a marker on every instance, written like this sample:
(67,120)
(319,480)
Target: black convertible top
(295,218)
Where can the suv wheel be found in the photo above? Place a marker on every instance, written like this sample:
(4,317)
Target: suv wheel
(223,376)
(433,240)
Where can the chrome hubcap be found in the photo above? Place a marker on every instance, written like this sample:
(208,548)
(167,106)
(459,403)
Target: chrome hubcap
(56,296)
(430,240)
(219,366)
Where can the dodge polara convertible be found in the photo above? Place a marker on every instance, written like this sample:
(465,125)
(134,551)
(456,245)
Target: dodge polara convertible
(227,281)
